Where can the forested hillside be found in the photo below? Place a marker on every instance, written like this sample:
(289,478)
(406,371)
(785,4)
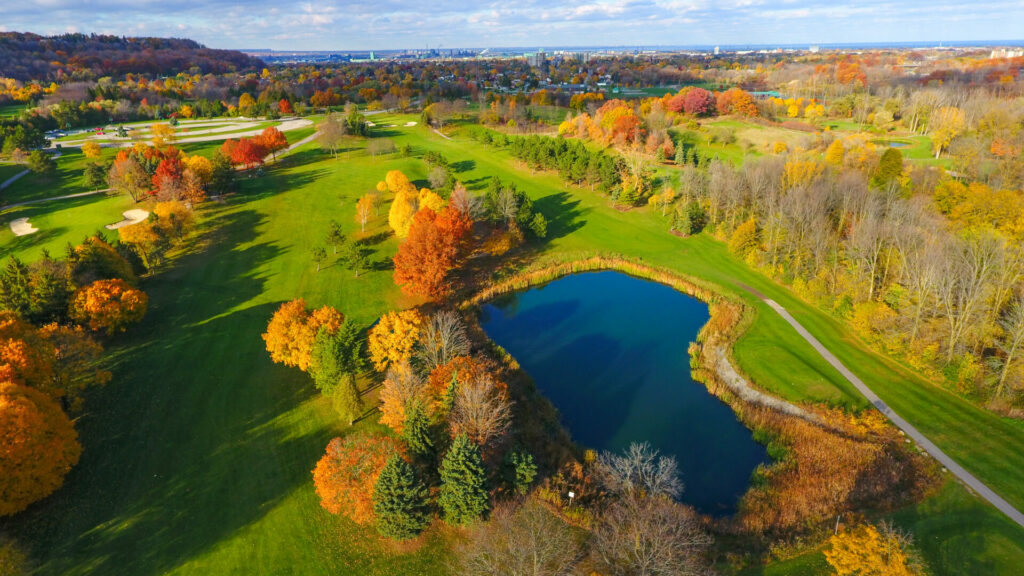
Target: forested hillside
(26,56)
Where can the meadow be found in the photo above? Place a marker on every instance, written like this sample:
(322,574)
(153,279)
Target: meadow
(197,454)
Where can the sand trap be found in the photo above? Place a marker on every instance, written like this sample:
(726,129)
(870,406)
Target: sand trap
(21,227)
(133,216)
(410,123)
(370,124)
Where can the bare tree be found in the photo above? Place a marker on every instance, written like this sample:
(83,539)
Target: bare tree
(640,470)
(442,339)
(438,177)
(465,202)
(1013,337)
(964,284)
(508,205)
(378,146)
(481,410)
(330,133)
(530,541)
(650,536)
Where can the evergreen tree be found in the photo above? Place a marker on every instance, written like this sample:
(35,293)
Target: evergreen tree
(520,470)
(680,158)
(463,497)
(14,287)
(400,501)
(416,431)
(336,360)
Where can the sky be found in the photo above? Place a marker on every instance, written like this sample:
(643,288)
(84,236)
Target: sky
(400,24)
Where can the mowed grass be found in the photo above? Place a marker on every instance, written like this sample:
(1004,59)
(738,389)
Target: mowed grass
(197,455)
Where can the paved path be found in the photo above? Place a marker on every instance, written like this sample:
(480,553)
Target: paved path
(78,195)
(950,464)
(17,176)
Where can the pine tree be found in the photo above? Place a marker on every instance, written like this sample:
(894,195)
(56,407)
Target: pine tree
(463,497)
(416,431)
(400,501)
(680,158)
(520,470)
(336,359)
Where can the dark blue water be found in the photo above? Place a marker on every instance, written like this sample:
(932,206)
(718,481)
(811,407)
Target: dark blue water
(610,351)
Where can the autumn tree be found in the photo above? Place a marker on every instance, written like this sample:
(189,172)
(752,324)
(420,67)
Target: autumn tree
(128,176)
(442,339)
(38,447)
(91,150)
(272,140)
(75,363)
(435,246)
(293,330)
(402,212)
(400,501)
(346,475)
(246,152)
(869,551)
(364,210)
(835,152)
(402,387)
(285,107)
(464,496)
(945,124)
(650,535)
(163,134)
(744,239)
(529,539)
(393,337)
(481,411)
(108,305)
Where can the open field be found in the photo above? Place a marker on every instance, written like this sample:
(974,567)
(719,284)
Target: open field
(197,454)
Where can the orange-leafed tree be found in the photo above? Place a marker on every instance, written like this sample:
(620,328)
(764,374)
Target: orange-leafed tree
(285,107)
(346,474)
(25,357)
(38,446)
(435,246)
(446,379)
(393,338)
(246,152)
(75,362)
(402,386)
(108,305)
(272,140)
(736,101)
(292,332)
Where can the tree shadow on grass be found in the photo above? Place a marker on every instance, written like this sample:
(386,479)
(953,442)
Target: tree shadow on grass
(182,450)
(463,166)
(562,212)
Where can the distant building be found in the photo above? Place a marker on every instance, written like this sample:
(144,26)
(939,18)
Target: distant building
(1006,53)
(717,51)
(536,59)
(814,49)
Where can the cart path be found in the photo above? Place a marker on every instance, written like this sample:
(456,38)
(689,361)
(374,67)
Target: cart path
(966,477)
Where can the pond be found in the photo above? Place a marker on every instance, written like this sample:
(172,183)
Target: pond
(610,351)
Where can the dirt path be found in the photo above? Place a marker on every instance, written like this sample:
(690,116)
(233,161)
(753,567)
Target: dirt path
(966,477)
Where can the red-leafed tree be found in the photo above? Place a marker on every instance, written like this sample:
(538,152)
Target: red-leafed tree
(285,107)
(434,247)
(699,102)
(272,140)
(168,173)
(245,152)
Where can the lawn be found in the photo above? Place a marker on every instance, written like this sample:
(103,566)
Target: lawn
(197,455)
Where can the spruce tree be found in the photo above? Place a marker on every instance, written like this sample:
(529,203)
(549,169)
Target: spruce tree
(463,497)
(416,431)
(400,501)
(680,158)
(336,359)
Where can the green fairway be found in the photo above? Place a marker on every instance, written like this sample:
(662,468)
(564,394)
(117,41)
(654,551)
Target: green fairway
(198,453)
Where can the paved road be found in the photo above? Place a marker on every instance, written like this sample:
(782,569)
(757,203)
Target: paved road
(18,176)
(950,464)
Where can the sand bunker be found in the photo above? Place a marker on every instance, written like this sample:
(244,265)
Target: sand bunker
(21,227)
(133,216)
(410,123)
